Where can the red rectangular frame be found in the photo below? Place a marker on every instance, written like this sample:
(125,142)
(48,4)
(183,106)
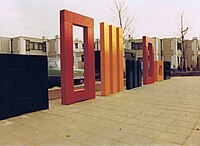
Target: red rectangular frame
(148,57)
(67,20)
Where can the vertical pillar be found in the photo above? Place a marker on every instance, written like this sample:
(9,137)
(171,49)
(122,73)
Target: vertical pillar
(120,60)
(105,59)
(113,59)
(89,65)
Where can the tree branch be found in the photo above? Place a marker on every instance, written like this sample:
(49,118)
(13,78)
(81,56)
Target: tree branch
(120,10)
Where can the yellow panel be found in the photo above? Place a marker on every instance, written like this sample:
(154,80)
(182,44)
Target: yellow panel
(120,60)
(105,59)
(113,59)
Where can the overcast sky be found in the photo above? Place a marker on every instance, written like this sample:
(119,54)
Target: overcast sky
(37,18)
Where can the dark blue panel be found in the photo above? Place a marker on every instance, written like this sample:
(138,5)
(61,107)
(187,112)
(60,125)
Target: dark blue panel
(139,73)
(129,74)
(167,70)
(24,84)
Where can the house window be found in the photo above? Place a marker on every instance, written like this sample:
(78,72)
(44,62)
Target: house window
(40,46)
(36,46)
(132,45)
(136,46)
(76,45)
(178,60)
(140,46)
(10,46)
(0,45)
(31,46)
(44,47)
(179,46)
(198,48)
(27,45)
(82,58)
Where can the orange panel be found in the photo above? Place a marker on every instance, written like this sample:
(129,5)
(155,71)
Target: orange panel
(113,59)
(105,59)
(159,71)
(120,60)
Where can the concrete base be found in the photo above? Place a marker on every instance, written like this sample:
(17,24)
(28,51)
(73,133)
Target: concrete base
(55,93)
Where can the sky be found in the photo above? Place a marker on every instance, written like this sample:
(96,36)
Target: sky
(153,18)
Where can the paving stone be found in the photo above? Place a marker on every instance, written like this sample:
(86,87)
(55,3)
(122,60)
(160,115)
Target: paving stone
(135,139)
(152,133)
(136,122)
(172,137)
(157,142)
(197,126)
(179,130)
(162,120)
(157,126)
(59,142)
(183,124)
(144,117)
(187,119)
(167,116)
(192,141)
(195,133)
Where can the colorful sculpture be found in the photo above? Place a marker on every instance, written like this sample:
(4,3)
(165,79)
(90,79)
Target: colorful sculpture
(112,69)
(148,61)
(67,20)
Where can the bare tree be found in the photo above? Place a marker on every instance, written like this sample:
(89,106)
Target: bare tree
(122,19)
(184,45)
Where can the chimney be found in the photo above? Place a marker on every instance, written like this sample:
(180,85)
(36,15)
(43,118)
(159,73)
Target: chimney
(194,38)
(56,36)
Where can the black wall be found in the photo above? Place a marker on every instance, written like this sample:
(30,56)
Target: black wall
(23,84)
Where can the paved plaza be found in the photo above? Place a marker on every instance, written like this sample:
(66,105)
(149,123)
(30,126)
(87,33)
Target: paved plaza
(163,113)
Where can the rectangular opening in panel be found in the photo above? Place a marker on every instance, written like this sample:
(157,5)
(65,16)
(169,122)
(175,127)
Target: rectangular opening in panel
(149,59)
(78,53)
(160,70)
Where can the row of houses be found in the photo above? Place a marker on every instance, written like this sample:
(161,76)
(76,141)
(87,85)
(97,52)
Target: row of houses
(41,46)
(37,46)
(169,49)
(166,49)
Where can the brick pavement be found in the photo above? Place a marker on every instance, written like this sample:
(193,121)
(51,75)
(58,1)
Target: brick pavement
(163,113)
